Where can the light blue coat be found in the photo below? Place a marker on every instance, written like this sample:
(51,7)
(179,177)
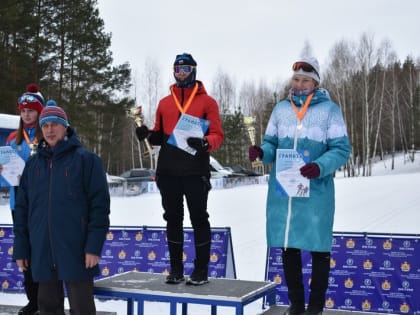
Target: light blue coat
(323,134)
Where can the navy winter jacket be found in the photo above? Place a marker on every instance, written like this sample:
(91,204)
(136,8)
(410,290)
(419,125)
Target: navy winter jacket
(62,211)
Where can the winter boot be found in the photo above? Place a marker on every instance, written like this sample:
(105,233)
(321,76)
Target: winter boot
(176,275)
(201,265)
(31,290)
(28,310)
(319,282)
(292,266)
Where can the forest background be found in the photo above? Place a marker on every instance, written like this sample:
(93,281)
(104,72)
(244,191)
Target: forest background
(63,47)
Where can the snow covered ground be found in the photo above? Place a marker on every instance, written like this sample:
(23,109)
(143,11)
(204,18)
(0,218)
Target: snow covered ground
(387,202)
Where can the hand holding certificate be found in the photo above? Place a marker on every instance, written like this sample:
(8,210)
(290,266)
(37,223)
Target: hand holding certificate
(188,126)
(12,166)
(290,182)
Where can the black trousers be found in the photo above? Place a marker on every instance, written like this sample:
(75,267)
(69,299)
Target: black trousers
(195,189)
(292,266)
(79,293)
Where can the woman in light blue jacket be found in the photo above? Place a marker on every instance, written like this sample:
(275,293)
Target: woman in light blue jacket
(309,123)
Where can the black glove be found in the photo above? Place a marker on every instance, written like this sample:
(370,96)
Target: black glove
(310,170)
(200,144)
(142,132)
(255,152)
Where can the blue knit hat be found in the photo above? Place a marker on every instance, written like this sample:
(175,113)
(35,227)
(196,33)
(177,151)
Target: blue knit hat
(53,113)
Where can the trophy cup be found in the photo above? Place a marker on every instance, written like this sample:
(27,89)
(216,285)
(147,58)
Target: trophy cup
(249,122)
(136,114)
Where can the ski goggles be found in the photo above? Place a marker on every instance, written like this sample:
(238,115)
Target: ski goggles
(25,99)
(187,69)
(304,66)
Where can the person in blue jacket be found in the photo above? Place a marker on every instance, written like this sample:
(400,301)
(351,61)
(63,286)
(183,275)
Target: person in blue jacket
(24,141)
(306,121)
(61,217)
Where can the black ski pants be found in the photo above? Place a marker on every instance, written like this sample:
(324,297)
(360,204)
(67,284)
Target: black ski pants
(292,266)
(195,189)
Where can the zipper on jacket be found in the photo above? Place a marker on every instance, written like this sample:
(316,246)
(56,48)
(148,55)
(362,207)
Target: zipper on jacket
(53,267)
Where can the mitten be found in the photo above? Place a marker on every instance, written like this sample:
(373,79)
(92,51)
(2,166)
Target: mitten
(310,170)
(200,144)
(255,152)
(142,132)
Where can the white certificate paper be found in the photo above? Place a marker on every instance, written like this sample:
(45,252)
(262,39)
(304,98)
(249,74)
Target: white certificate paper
(186,127)
(290,183)
(12,165)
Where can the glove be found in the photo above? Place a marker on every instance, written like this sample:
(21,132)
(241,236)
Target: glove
(200,144)
(255,152)
(142,132)
(310,170)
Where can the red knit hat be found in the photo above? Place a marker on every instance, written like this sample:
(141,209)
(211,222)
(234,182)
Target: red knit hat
(32,98)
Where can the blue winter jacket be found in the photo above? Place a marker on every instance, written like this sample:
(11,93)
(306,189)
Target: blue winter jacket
(322,133)
(62,211)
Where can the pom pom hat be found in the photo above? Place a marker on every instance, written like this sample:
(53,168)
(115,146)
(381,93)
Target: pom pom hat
(55,114)
(32,99)
(312,71)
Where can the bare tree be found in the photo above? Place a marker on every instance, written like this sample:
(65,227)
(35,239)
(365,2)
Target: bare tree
(224,91)
(307,50)
(337,79)
(366,58)
(150,89)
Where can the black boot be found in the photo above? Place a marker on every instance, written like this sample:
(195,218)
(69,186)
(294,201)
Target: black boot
(201,265)
(31,290)
(176,251)
(292,265)
(319,282)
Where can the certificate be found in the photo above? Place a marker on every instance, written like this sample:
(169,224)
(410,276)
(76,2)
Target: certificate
(289,181)
(186,127)
(12,167)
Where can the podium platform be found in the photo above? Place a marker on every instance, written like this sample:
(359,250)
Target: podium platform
(141,286)
(13,309)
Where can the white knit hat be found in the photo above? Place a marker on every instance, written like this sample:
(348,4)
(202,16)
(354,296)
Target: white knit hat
(313,62)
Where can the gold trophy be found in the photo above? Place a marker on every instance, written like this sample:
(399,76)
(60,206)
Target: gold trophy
(249,122)
(136,113)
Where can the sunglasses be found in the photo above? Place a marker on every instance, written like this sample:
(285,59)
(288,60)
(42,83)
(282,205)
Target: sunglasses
(187,69)
(304,66)
(27,99)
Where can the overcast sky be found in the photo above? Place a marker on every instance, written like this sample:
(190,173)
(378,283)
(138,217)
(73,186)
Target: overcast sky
(251,40)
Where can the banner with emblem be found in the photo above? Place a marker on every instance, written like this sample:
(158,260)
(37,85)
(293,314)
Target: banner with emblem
(369,273)
(132,248)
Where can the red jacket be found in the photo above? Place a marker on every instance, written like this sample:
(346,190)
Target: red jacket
(174,161)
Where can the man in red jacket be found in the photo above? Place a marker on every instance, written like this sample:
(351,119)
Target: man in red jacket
(183,172)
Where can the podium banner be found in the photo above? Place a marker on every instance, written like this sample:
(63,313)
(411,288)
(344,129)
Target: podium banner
(132,248)
(369,273)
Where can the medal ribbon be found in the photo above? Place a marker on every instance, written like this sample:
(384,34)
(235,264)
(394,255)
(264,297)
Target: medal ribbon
(300,114)
(25,135)
(188,103)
